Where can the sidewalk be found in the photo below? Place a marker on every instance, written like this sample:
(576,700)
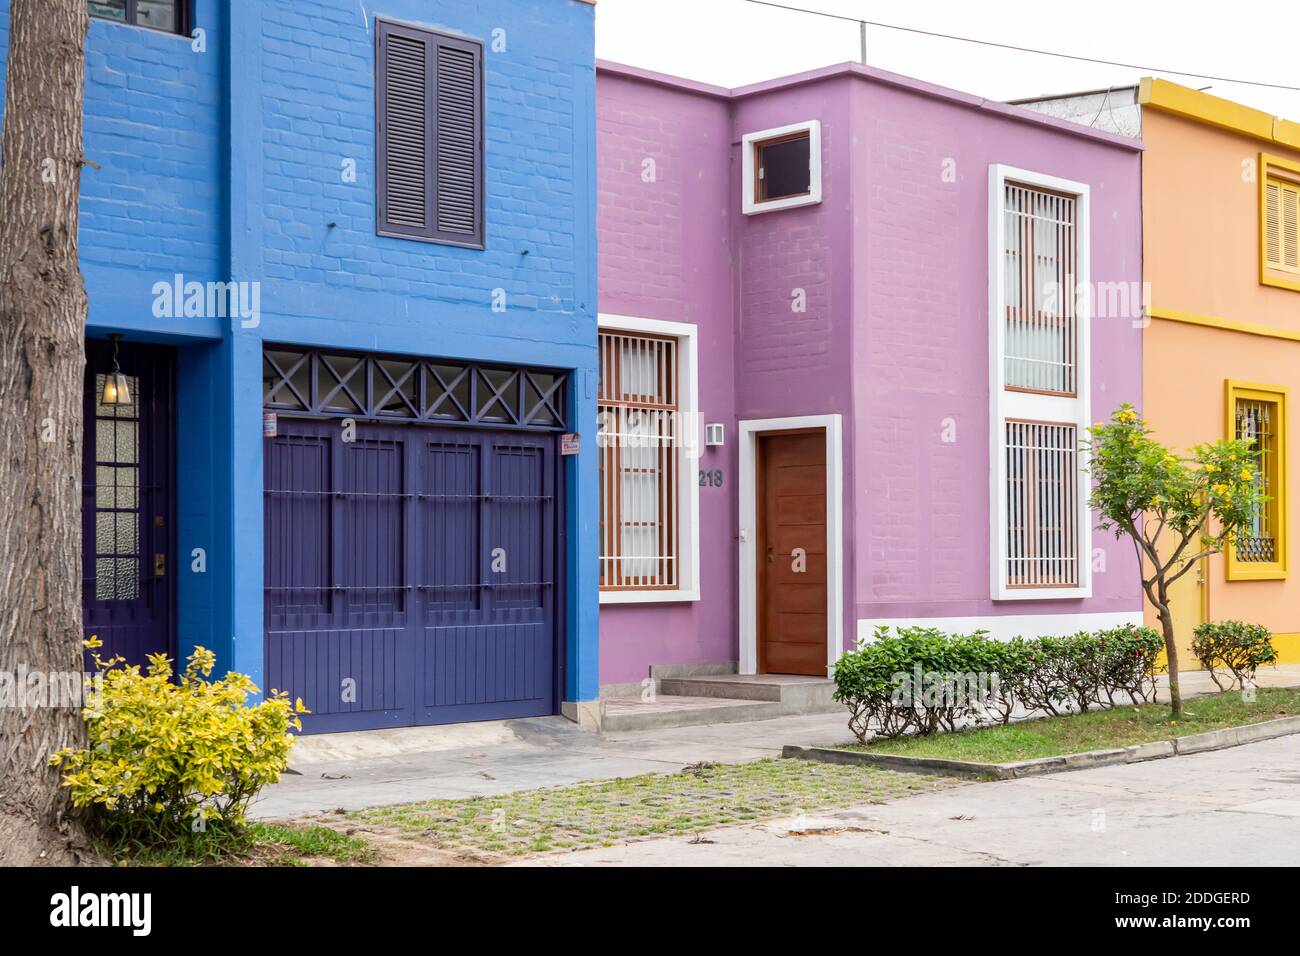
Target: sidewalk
(352,771)
(384,767)
(1236,807)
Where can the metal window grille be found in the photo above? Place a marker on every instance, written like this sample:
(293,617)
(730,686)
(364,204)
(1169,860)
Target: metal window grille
(338,384)
(1256,422)
(1040,261)
(1042,505)
(639,449)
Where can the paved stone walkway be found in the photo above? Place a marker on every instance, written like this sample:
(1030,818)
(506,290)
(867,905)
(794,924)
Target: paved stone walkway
(352,771)
(1235,807)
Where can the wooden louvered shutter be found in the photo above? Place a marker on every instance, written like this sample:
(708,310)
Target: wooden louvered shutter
(1282,225)
(430,135)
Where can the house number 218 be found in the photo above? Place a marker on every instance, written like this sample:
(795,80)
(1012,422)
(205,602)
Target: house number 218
(711,479)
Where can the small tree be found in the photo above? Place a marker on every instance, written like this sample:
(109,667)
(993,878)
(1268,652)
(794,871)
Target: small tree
(1193,506)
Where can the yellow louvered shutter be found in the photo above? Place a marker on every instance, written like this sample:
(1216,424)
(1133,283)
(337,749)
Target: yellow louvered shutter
(1282,225)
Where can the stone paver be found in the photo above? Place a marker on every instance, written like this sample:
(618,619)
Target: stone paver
(354,771)
(648,806)
(1231,807)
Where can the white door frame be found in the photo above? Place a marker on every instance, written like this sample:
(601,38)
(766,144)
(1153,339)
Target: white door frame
(750,429)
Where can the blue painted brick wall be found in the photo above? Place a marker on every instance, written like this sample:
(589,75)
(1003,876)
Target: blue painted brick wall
(317,80)
(154,124)
(226,164)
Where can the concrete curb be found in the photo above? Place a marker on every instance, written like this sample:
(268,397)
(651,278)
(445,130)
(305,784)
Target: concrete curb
(1155,750)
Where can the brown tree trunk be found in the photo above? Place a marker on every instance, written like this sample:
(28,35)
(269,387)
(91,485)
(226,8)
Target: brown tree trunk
(42,324)
(1171,655)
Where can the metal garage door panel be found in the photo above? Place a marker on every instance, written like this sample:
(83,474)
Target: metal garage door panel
(410,573)
(337,621)
(486,649)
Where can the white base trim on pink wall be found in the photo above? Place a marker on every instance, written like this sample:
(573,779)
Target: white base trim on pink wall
(1003,627)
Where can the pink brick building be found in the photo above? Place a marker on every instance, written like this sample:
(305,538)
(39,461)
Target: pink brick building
(880,290)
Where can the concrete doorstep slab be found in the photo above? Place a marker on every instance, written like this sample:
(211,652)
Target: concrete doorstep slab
(1154,750)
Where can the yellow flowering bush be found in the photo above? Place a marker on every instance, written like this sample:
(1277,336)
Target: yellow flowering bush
(175,759)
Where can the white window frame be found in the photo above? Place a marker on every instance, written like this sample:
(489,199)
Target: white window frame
(749,201)
(688,486)
(1004,404)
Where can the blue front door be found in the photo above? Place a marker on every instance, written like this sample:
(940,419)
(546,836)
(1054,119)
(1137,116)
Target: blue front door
(127,493)
(410,572)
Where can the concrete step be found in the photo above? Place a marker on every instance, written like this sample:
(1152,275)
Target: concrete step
(794,693)
(667,710)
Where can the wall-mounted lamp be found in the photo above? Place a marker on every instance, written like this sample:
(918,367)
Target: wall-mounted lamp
(713,432)
(116,391)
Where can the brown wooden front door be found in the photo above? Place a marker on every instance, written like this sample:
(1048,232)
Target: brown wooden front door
(792,553)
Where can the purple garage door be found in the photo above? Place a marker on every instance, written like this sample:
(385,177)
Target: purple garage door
(127,490)
(410,568)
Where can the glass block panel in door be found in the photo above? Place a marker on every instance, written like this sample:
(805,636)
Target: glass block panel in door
(117,503)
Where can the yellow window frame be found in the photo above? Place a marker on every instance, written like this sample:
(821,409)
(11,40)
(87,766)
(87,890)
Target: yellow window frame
(1286,173)
(1275,395)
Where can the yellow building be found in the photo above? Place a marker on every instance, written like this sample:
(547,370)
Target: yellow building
(1221,348)
(1221,355)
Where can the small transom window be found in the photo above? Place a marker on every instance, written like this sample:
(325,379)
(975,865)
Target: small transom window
(782,167)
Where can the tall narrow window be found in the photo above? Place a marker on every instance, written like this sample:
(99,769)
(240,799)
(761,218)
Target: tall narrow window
(117,497)
(429,135)
(1257,415)
(1040,248)
(1038,373)
(639,449)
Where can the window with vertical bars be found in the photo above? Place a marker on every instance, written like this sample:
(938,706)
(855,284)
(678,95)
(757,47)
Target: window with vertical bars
(429,119)
(639,462)
(1042,505)
(1040,262)
(1282,224)
(1256,421)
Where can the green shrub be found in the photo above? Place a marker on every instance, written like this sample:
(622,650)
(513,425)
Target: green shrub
(1128,664)
(1235,646)
(175,762)
(920,680)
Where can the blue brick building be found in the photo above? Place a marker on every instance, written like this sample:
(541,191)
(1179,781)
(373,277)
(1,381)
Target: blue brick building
(344,256)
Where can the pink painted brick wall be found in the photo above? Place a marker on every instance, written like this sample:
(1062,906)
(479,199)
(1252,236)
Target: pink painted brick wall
(894,265)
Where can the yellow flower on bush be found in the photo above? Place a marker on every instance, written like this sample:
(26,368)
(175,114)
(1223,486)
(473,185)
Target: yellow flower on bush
(1220,489)
(1247,474)
(166,753)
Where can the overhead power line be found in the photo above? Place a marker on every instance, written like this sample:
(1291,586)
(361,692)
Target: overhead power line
(1025,49)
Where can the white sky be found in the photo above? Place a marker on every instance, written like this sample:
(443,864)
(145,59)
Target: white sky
(733,42)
